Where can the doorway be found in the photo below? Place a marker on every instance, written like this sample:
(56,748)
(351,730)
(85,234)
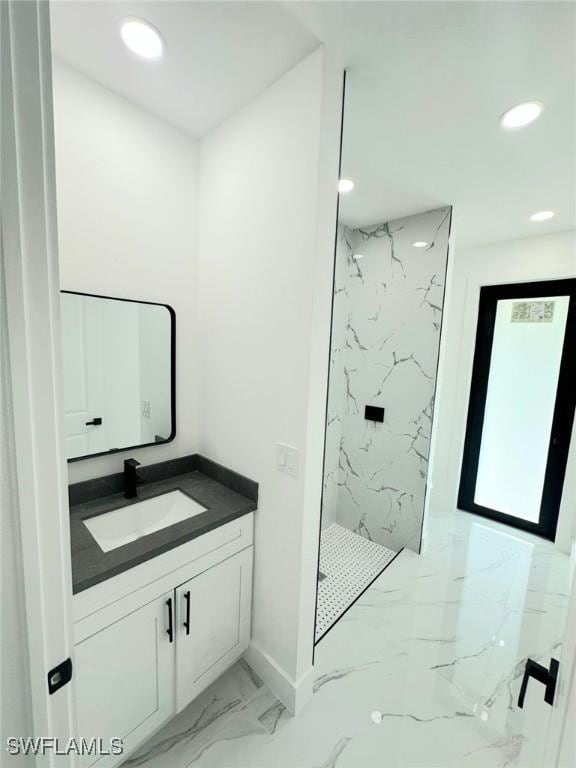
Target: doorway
(521,405)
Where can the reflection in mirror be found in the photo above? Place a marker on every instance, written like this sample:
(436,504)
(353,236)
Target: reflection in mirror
(118,373)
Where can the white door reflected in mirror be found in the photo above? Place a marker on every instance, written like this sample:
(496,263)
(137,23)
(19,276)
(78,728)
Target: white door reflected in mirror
(118,374)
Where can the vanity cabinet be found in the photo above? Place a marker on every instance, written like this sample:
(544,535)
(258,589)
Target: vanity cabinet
(125,678)
(164,634)
(214,626)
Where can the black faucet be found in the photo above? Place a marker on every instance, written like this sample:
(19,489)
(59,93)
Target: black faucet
(131,479)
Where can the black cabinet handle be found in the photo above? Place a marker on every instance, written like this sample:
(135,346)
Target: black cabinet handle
(170,630)
(546,676)
(187,620)
(95,422)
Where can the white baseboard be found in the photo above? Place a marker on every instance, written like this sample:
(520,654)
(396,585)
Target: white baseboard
(293,694)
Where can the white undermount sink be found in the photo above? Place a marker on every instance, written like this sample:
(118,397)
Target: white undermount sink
(121,526)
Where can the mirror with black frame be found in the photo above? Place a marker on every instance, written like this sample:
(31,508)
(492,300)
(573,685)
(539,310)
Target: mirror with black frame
(119,374)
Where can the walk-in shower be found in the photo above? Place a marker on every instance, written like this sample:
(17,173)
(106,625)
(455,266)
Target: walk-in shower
(386,321)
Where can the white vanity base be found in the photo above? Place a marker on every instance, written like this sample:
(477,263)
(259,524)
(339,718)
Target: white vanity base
(149,640)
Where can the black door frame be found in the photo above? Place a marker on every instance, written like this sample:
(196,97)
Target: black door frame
(562,420)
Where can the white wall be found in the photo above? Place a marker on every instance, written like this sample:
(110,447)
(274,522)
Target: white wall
(155,353)
(121,396)
(127,209)
(258,340)
(266,247)
(542,257)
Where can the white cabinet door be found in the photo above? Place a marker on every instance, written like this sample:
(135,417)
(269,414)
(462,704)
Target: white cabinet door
(125,678)
(213,624)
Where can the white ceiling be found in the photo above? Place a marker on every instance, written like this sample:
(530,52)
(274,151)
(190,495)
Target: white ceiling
(426,85)
(427,82)
(219,55)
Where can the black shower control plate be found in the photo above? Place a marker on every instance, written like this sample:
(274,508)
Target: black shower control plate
(374,413)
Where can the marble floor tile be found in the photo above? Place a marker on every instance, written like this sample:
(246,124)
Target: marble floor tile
(229,704)
(423,671)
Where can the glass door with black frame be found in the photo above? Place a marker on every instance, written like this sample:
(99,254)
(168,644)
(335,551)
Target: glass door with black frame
(521,407)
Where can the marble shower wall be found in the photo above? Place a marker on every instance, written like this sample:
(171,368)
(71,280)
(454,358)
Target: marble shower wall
(385,340)
(337,385)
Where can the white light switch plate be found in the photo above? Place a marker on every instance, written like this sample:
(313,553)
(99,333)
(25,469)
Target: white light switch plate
(287,459)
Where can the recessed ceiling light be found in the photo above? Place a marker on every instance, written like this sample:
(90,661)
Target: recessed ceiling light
(142,38)
(521,115)
(420,244)
(357,255)
(345,185)
(542,216)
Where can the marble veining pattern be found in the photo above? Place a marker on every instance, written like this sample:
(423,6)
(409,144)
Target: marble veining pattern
(385,339)
(423,671)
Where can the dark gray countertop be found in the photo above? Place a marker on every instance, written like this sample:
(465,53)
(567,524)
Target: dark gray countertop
(225,494)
